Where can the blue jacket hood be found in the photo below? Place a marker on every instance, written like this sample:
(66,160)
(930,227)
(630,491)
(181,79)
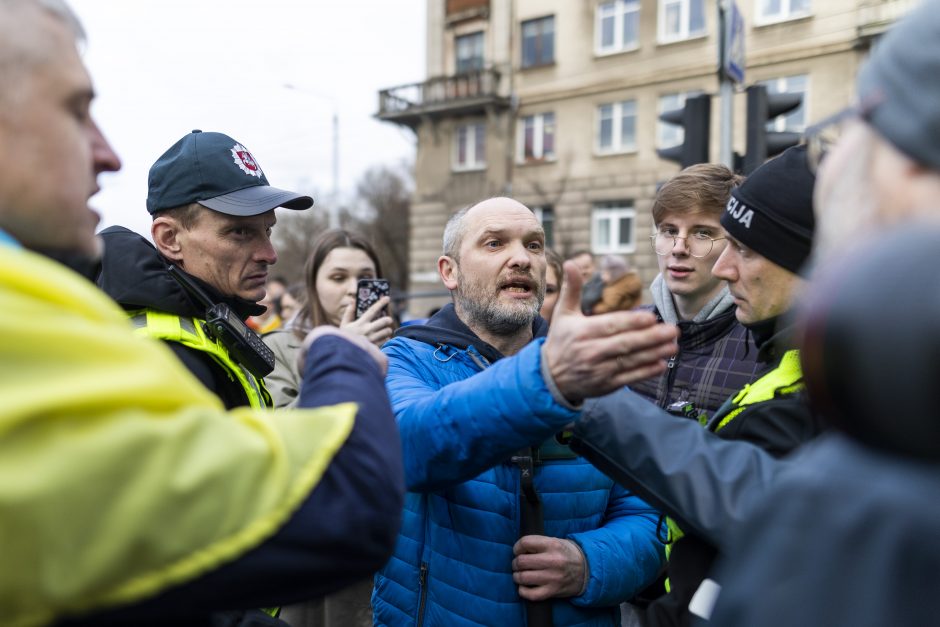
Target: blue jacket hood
(445,327)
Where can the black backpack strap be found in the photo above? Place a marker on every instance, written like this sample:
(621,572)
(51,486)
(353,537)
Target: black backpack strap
(532,522)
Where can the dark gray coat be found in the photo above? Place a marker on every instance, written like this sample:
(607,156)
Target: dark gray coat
(849,536)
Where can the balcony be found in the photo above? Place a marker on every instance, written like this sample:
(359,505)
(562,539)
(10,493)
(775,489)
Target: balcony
(464,10)
(874,16)
(468,93)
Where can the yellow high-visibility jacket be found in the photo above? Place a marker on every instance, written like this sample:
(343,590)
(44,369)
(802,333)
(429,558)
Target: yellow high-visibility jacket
(120,475)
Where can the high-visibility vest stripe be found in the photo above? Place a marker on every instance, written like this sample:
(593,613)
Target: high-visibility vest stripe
(191,332)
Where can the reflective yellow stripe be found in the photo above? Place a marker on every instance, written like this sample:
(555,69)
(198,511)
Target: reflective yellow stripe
(190,332)
(729,417)
(786,378)
(675,533)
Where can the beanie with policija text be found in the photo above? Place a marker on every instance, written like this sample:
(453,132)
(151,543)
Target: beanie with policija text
(772,211)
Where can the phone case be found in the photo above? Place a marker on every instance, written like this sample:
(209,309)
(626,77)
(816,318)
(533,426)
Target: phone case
(368,292)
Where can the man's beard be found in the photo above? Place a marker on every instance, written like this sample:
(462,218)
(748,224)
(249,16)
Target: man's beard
(483,309)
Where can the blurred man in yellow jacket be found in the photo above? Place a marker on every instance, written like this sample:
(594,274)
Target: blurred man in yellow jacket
(127,493)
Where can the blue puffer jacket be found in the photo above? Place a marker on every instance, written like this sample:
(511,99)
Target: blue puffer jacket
(460,421)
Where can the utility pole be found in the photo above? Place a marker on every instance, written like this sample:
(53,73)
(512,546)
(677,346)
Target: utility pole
(731,63)
(333,207)
(334,204)
(725,91)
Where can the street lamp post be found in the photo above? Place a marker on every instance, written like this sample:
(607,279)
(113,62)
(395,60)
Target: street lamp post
(334,200)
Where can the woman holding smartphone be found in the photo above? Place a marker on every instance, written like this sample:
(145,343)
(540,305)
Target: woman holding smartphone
(338,261)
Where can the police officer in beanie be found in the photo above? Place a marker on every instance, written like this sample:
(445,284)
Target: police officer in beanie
(213,212)
(769,221)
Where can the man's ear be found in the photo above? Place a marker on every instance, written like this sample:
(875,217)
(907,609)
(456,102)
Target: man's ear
(447,268)
(166,233)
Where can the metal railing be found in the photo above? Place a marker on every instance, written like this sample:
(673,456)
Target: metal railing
(440,93)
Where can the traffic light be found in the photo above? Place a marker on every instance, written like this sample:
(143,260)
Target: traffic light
(695,119)
(762,107)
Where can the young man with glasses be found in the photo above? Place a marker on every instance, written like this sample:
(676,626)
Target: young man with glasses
(716,357)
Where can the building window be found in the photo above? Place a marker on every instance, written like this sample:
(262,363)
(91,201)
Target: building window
(536,138)
(546,215)
(469,52)
(617,26)
(681,19)
(616,127)
(669,135)
(781,10)
(612,227)
(538,41)
(795,121)
(470,147)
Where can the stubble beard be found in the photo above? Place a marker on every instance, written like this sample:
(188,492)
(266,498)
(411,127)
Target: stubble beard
(483,309)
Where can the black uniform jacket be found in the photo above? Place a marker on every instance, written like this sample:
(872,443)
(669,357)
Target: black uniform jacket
(134,274)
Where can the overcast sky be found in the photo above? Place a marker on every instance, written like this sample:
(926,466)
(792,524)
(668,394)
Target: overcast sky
(164,67)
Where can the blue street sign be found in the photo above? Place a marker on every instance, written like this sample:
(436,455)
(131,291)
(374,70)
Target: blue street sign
(735,60)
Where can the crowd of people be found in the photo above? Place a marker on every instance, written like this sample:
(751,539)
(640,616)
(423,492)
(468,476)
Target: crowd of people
(757,447)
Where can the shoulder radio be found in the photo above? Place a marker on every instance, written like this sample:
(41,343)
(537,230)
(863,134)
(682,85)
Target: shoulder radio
(224,326)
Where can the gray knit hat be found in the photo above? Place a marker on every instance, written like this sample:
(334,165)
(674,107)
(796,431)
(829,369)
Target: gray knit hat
(901,85)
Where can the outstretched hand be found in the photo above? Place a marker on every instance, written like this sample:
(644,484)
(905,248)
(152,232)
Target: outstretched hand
(592,356)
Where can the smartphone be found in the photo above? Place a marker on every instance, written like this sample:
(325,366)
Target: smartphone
(368,291)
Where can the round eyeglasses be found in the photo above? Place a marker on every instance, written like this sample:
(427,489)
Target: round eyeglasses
(698,244)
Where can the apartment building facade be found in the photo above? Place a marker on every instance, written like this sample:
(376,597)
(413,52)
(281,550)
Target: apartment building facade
(556,103)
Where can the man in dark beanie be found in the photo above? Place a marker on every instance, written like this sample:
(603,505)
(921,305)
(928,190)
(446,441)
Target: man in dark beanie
(772,211)
(769,223)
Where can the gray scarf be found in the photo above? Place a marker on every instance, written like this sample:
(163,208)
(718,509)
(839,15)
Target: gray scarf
(666,306)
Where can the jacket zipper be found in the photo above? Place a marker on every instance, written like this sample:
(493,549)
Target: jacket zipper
(667,382)
(423,585)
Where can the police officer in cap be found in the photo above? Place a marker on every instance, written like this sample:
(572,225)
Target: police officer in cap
(213,213)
